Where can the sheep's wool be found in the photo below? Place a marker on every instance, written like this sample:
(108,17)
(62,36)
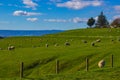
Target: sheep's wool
(101,63)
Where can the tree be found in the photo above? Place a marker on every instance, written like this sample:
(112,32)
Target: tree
(102,21)
(91,22)
(116,23)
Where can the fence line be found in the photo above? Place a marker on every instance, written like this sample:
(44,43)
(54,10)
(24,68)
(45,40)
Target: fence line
(57,68)
(21,69)
(87,64)
(112,60)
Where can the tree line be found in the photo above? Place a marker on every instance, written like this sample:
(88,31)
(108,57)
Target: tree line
(102,22)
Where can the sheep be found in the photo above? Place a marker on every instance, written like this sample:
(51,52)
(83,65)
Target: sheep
(66,40)
(101,63)
(71,40)
(46,45)
(11,47)
(112,40)
(67,44)
(40,39)
(93,44)
(56,45)
(98,40)
(84,41)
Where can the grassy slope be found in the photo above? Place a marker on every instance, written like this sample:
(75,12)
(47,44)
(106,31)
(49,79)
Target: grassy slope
(40,61)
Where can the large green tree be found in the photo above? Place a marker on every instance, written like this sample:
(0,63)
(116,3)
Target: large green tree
(91,22)
(102,21)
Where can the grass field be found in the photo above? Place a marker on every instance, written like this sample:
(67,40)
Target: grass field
(40,61)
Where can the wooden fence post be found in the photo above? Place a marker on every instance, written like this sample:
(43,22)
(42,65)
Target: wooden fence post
(21,69)
(112,60)
(57,66)
(87,64)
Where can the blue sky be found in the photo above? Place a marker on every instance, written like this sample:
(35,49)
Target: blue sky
(54,14)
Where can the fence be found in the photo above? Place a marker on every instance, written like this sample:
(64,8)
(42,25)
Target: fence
(57,66)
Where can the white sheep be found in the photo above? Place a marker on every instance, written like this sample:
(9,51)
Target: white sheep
(67,43)
(93,44)
(84,41)
(56,45)
(11,47)
(101,63)
(46,45)
(98,40)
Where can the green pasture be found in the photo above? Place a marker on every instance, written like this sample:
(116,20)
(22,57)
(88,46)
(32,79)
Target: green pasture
(40,61)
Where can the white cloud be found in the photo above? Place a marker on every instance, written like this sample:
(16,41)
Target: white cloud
(117,8)
(74,20)
(30,4)
(32,19)
(116,16)
(79,4)
(55,20)
(79,20)
(25,13)
(96,18)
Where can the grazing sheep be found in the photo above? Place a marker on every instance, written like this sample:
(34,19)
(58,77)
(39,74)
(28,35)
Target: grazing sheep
(98,40)
(71,40)
(67,44)
(56,45)
(66,40)
(46,45)
(84,41)
(11,47)
(101,63)
(40,39)
(93,44)
(112,40)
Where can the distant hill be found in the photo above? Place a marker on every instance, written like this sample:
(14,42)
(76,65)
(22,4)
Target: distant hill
(8,33)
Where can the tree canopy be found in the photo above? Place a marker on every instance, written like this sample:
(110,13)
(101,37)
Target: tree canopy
(102,21)
(91,22)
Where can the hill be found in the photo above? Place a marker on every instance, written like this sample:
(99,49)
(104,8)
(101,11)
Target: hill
(40,61)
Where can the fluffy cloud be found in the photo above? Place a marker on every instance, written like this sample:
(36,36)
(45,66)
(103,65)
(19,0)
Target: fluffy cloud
(79,4)
(117,8)
(25,13)
(117,16)
(55,20)
(32,19)
(30,4)
(96,18)
(74,20)
(79,20)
